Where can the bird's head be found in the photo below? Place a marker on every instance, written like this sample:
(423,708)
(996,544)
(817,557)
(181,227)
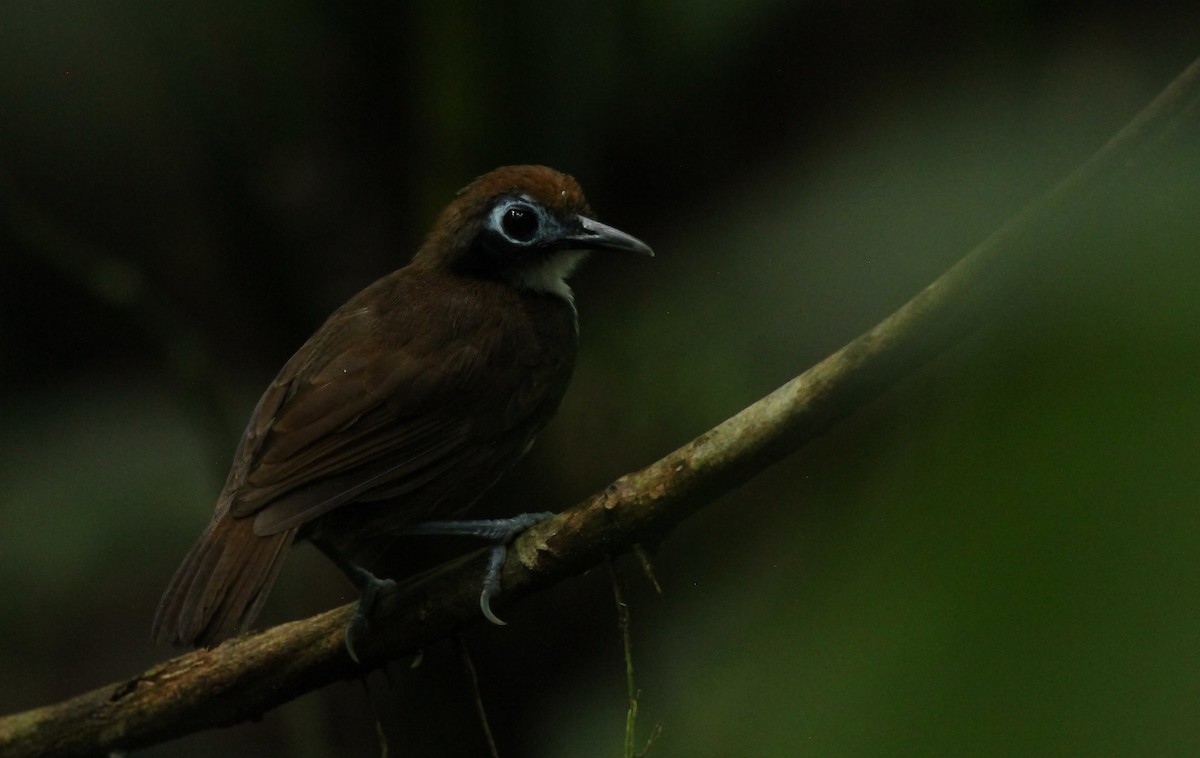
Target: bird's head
(529,226)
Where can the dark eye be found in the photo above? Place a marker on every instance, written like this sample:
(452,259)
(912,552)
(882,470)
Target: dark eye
(520,223)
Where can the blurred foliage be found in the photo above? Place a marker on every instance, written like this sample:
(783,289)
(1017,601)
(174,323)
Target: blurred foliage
(998,557)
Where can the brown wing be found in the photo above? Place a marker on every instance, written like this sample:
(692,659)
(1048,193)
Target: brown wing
(370,408)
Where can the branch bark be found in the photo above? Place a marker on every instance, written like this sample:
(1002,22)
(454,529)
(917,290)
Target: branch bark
(249,675)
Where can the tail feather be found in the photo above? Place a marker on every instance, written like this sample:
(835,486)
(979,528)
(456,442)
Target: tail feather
(221,585)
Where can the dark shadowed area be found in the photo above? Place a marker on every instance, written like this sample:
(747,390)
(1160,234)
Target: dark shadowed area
(998,557)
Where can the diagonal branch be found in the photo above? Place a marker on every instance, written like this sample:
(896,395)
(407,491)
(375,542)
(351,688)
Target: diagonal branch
(249,675)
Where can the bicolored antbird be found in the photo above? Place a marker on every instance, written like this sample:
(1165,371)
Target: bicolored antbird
(408,403)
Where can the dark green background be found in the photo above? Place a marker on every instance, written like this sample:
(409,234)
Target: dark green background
(998,557)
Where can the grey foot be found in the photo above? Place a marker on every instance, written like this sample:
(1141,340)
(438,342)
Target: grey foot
(500,532)
(369,585)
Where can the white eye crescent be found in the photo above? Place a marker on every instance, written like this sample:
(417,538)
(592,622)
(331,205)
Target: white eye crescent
(520,221)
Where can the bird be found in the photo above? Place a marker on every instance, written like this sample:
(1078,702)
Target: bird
(404,407)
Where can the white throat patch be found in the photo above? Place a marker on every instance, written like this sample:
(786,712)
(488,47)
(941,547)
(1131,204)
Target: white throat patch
(551,276)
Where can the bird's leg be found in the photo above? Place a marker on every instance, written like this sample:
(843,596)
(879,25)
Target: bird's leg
(368,586)
(500,532)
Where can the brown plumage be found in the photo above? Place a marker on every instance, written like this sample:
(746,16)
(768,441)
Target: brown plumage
(407,404)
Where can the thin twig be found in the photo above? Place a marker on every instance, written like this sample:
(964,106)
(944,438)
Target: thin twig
(647,567)
(631,691)
(380,734)
(464,655)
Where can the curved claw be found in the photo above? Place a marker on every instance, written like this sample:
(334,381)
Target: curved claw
(371,585)
(485,605)
(354,630)
(491,583)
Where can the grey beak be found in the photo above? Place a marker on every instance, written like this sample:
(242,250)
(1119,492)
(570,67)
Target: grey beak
(594,235)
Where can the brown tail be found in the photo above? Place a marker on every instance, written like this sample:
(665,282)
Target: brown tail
(222,583)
